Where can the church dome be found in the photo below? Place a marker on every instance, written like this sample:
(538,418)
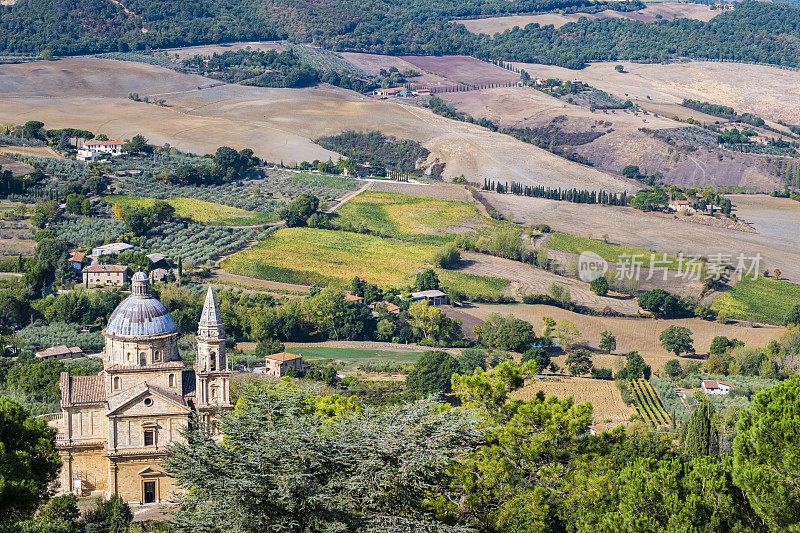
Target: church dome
(141,315)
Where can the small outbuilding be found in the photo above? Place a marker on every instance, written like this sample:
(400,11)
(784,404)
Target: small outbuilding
(278,364)
(433,297)
(713,386)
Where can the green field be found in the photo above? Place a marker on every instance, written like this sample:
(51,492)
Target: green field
(306,256)
(609,252)
(413,218)
(355,357)
(762,299)
(471,284)
(200,211)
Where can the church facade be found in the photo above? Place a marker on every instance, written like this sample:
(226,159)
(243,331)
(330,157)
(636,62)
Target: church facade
(114,427)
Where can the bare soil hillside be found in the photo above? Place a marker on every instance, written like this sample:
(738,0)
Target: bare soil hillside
(622,141)
(629,227)
(651,13)
(771,93)
(278,124)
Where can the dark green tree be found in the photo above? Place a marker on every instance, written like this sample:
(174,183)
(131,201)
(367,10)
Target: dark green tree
(29,463)
(431,374)
(677,339)
(766,455)
(700,435)
(599,286)
(673,368)
(539,356)
(579,362)
(608,342)
(427,280)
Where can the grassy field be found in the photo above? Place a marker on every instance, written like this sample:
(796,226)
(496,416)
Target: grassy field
(762,299)
(200,211)
(353,357)
(412,218)
(472,284)
(609,252)
(306,256)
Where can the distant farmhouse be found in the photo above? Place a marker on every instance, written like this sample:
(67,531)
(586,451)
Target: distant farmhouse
(92,149)
(433,297)
(60,352)
(114,275)
(278,364)
(713,386)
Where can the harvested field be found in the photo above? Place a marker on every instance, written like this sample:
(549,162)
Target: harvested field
(463,69)
(769,92)
(651,13)
(526,279)
(632,333)
(373,63)
(227,278)
(772,217)
(210,49)
(16,237)
(607,404)
(278,124)
(444,191)
(16,167)
(33,151)
(629,227)
(620,142)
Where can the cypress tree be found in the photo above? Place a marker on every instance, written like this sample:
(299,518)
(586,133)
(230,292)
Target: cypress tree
(700,435)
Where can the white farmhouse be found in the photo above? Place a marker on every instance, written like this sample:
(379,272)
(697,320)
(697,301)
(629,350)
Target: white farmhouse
(713,386)
(91,149)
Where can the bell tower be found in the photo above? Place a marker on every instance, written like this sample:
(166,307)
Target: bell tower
(211,366)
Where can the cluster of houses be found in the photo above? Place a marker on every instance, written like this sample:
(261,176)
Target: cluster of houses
(112,275)
(401,92)
(686,207)
(94,148)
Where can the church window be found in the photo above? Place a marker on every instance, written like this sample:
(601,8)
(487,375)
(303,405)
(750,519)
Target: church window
(157,356)
(172,380)
(142,359)
(148,402)
(149,437)
(116,383)
(213,357)
(129,357)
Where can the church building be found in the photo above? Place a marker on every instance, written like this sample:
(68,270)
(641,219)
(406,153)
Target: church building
(113,427)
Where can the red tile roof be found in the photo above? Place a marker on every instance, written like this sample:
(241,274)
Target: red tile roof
(104,143)
(283,357)
(77,257)
(82,389)
(105,268)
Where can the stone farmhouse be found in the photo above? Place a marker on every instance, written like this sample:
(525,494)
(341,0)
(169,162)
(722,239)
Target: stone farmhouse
(114,427)
(114,275)
(278,364)
(92,149)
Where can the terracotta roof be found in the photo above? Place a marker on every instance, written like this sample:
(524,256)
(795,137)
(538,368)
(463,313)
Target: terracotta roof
(60,350)
(283,357)
(679,202)
(352,297)
(105,268)
(82,389)
(710,384)
(77,257)
(103,143)
(725,383)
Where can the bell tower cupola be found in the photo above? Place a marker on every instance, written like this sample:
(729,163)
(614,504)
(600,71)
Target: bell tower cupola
(211,370)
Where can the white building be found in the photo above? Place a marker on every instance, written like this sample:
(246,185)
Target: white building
(713,386)
(113,248)
(91,149)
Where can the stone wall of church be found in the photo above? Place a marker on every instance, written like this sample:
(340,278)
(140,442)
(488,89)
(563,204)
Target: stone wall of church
(132,352)
(132,473)
(120,380)
(129,431)
(85,423)
(90,465)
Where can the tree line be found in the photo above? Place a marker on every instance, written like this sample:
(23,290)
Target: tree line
(578,196)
